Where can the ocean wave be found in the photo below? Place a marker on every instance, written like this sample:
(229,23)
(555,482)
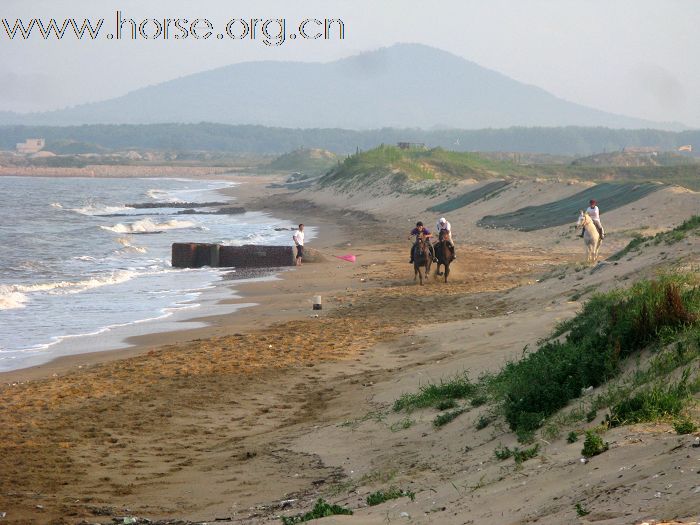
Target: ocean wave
(69,287)
(128,247)
(251,238)
(10,300)
(56,205)
(100,209)
(148,226)
(160,195)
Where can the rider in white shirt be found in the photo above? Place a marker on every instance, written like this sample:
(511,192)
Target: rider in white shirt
(444,225)
(594,214)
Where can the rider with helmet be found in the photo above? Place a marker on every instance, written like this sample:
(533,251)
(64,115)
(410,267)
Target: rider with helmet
(444,225)
(594,213)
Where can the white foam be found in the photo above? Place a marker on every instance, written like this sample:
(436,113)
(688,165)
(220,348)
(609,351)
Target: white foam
(101,209)
(147,226)
(161,195)
(69,287)
(10,300)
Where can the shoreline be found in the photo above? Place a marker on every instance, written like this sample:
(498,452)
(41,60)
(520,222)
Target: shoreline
(250,188)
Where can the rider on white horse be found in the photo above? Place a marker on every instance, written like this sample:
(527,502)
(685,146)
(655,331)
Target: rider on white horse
(594,214)
(443,225)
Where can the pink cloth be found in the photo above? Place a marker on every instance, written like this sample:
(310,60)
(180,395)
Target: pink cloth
(349,257)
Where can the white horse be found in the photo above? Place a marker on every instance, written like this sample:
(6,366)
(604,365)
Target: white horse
(591,237)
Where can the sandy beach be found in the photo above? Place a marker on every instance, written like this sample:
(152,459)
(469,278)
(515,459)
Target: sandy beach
(265,410)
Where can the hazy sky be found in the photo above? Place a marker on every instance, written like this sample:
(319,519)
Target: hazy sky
(635,57)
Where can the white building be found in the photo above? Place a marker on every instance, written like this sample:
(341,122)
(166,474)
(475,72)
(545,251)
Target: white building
(30,146)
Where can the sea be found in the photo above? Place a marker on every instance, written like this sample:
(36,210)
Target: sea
(80,271)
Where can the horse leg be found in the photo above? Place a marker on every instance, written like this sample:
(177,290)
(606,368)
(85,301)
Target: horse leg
(420,275)
(447,271)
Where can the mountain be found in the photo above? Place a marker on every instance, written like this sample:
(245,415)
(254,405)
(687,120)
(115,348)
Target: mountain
(406,85)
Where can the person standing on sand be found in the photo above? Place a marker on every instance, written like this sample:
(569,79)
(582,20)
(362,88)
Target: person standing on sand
(298,238)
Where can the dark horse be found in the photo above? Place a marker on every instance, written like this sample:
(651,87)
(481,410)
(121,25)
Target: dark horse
(421,258)
(445,254)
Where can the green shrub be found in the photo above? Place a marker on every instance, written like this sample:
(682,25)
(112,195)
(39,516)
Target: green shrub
(503,453)
(483,422)
(610,327)
(322,509)
(381,496)
(446,404)
(581,511)
(593,445)
(446,417)
(572,437)
(684,426)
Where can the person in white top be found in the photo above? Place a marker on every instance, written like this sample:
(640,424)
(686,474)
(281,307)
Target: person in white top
(298,238)
(444,225)
(594,213)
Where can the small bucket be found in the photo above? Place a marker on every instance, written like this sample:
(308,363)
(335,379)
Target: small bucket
(317,302)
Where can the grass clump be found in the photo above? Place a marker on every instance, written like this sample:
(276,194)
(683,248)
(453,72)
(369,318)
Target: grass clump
(381,496)
(322,509)
(520,456)
(684,426)
(432,394)
(572,437)
(581,511)
(446,417)
(446,404)
(653,404)
(610,327)
(593,445)
(403,424)
(484,421)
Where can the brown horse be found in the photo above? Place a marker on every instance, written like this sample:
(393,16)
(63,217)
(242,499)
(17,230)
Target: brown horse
(421,258)
(444,253)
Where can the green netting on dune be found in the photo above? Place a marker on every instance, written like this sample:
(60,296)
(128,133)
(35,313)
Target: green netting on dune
(469,197)
(565,211)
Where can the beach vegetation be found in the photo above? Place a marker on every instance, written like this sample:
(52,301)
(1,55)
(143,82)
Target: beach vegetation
(381,496)
(610,328)
(444,418)
(677,234)
(684,425)
(402,424)
(581,511)
(433,394)
(593,444)
(519,455)
(484,421)
(322,509)
(572,437)
(652,404)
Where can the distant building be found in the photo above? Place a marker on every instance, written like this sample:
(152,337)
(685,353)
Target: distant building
(30,146)
(641,149)
(411,145)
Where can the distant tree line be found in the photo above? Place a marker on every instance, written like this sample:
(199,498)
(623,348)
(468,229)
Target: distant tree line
(576,141)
